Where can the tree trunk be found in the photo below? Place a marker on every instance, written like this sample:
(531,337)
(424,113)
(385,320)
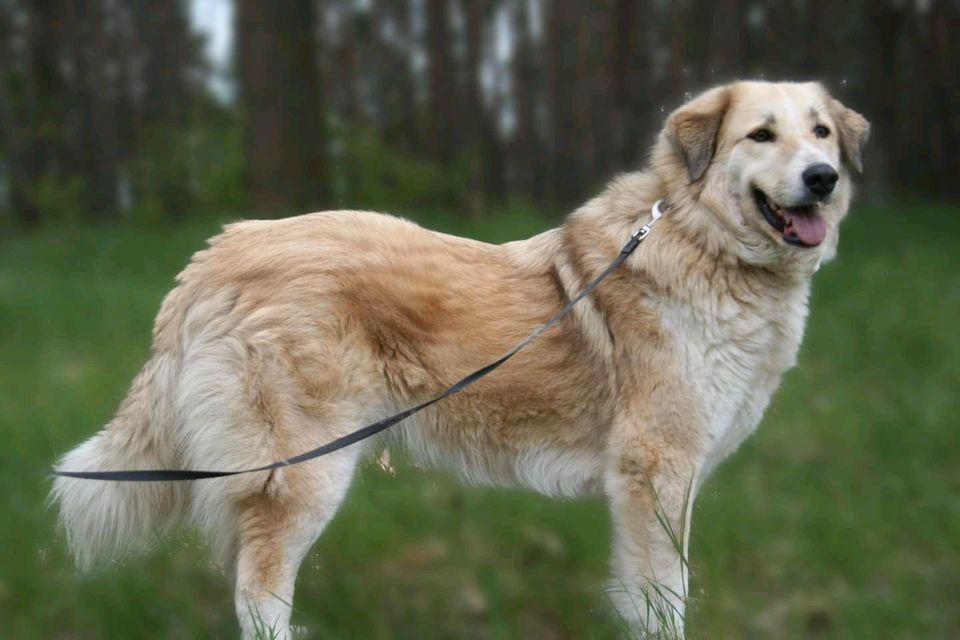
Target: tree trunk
(280,95)
(527,145)
(944,93)
(398,98)
(725,37)
(564,86)
(441,83)
(881,44)
(486,154)
(95,152)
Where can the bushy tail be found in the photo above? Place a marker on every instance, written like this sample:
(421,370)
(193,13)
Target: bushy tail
(106,519)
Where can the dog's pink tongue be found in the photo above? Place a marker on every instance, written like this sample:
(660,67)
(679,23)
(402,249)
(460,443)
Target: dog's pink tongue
(809,226)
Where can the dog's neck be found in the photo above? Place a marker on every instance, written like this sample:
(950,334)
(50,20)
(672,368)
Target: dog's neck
(685,256)
(682,261)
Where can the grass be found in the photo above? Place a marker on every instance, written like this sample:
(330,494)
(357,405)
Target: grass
(840,518)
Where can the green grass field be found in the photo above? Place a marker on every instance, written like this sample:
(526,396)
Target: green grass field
(839,519)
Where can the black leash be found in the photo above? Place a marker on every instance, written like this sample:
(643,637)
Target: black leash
(154,475)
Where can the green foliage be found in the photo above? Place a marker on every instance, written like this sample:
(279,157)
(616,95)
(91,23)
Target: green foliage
(368,174)
(178,172)
(159,175)
(838,519)
(62,200)
(217,167)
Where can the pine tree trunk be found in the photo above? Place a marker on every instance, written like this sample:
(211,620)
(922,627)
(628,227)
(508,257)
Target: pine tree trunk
(486,148)
(280,96)
(441,83)
(527,154)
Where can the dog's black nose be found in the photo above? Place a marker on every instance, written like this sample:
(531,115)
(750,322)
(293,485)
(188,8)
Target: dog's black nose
(820,179)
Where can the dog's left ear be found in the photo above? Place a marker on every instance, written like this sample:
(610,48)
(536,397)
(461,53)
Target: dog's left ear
(853,130)
(692,129)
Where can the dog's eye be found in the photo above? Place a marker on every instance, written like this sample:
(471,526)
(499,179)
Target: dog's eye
(821,131)
(762,135)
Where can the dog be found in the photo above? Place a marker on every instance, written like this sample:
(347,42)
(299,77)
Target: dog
(285,334)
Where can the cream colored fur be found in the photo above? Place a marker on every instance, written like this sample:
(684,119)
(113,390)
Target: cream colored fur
(286,334)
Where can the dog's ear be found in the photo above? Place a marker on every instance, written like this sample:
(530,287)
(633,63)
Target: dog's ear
(692,129)
(853,131)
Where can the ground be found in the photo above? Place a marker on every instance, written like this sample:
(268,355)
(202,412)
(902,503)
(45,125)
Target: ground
(839,519)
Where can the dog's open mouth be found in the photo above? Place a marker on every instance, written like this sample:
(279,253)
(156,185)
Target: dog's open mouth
(801,226)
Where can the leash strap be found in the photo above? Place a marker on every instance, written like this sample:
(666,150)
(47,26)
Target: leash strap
(156,475)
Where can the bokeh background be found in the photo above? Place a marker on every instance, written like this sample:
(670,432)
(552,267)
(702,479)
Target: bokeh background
(129,131)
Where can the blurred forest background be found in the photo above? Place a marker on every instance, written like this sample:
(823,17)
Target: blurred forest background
(129,131)
(111,110)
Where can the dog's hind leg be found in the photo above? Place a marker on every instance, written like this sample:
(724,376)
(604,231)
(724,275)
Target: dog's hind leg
(247,400)
(274,531)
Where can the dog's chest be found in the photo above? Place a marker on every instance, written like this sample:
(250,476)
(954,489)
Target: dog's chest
(732,357)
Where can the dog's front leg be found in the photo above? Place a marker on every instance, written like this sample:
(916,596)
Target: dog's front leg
(650,487)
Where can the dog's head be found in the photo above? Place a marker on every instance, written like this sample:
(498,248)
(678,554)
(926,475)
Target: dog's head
(770,162)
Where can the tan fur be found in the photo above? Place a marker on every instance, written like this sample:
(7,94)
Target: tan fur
(286,334)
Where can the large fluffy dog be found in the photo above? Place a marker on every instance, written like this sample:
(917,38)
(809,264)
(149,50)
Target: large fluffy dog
(283,335)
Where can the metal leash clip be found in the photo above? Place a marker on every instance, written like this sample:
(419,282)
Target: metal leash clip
(644,231)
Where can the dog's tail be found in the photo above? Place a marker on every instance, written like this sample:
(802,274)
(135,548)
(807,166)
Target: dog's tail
(105,519)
